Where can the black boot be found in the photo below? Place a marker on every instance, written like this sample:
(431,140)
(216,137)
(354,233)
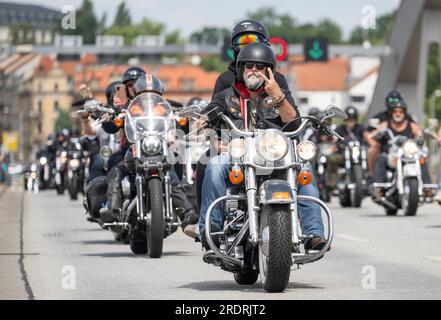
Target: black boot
(114,198)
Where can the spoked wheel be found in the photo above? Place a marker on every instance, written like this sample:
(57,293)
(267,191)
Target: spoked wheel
(275,248)
(155,225)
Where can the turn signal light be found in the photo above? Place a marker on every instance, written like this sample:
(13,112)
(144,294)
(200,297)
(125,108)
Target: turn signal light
(305,178)
(236,176)
(119,122)
(423,161)
(182,121)
(281,196)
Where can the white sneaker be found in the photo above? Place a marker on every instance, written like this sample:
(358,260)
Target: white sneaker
(192,230)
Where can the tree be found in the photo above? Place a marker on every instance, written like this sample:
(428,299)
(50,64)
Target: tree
(213,63)
(86,23)
(130,32)
(377,36)
(329,30)
(209,35)
(122,17)
(63,120)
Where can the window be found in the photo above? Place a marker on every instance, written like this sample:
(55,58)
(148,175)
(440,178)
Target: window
(56,87)
(56,106)
(40,107)
(187,84)
(303,100)
(359,99)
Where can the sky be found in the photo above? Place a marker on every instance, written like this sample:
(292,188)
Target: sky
(192,15)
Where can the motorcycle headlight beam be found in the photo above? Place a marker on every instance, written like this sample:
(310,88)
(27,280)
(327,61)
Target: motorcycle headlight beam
(307,150)
(74,163)
(272,145)
(151,145)
(355,153)
(43,161)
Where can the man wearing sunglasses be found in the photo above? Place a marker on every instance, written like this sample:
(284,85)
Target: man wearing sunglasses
(255,99)
(393,97)
(399,124)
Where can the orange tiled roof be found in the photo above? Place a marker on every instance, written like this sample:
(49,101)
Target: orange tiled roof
(321,76)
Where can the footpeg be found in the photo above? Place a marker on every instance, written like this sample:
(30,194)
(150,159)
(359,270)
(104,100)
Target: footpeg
(210,258)
(115,224)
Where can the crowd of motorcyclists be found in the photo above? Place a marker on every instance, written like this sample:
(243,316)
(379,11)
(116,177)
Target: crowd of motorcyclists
(260,185)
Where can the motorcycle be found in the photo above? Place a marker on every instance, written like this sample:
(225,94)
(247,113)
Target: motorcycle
(322,173)
(404,188)
(262,233)
(352,185)
(60,170)
(32,182)
(147,215)
(44,172)
(76,169)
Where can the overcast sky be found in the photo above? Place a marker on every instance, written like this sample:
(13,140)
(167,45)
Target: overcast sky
(191,15)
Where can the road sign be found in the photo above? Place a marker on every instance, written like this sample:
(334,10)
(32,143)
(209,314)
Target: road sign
(280,48)
(10,141)
(316,49)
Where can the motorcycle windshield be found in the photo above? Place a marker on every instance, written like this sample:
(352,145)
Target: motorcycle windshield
(149,113)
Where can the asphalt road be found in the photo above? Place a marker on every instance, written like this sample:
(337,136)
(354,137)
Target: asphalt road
(49,251)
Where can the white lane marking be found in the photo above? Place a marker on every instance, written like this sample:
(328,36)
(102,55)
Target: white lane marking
(434,258)
(350,238)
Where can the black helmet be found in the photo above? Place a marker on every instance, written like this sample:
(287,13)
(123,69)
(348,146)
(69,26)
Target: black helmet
(195,100)
(352,112)
(110,92)
(313,112)
(132,73)
(148,83)
(399,105)
(251,27)
(257,53)
(392,98)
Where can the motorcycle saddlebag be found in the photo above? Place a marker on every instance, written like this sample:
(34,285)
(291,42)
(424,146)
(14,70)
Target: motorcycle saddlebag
(96,196)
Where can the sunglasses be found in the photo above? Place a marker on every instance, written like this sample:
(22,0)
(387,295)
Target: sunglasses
(393,100)
(243,40)
(259,66)
(398,111)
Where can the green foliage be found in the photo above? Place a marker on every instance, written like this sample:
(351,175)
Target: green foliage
(286,27)
(86,23)
(214,63)
(122,17)
(63,120)
(377,36)
(210,35)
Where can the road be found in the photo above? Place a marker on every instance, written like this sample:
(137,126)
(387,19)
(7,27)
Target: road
(49,251)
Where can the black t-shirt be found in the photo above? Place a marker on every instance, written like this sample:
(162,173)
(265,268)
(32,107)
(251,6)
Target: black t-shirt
(357,132)
(386,116)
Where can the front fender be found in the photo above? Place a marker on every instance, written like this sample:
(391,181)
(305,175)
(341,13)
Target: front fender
(275,192)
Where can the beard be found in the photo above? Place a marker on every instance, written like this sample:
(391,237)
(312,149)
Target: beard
(253,81)
(398,119)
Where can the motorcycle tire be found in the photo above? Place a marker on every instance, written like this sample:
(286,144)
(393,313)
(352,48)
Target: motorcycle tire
(410,204)
(275,267)
(246,277)
(73,188)
(357,193)
(155,229)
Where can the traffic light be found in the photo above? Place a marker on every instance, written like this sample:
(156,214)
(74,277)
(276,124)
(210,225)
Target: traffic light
(315,49)
(227,53)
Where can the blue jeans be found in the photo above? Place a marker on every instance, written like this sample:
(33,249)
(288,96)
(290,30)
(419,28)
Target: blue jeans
(215,185)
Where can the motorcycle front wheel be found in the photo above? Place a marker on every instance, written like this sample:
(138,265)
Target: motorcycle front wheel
(155,227)
(411,197)
(275,249)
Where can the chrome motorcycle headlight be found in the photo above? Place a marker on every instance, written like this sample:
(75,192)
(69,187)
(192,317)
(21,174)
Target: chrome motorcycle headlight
(307,150)
(272,145)
(43,161)
(410,149)
(236,148)
(74,163)
(106,152)
(356,153)
(151,145)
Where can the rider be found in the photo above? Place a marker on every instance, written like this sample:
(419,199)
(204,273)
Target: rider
(373,151)
(252,88)
(184,209)
(399,124)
